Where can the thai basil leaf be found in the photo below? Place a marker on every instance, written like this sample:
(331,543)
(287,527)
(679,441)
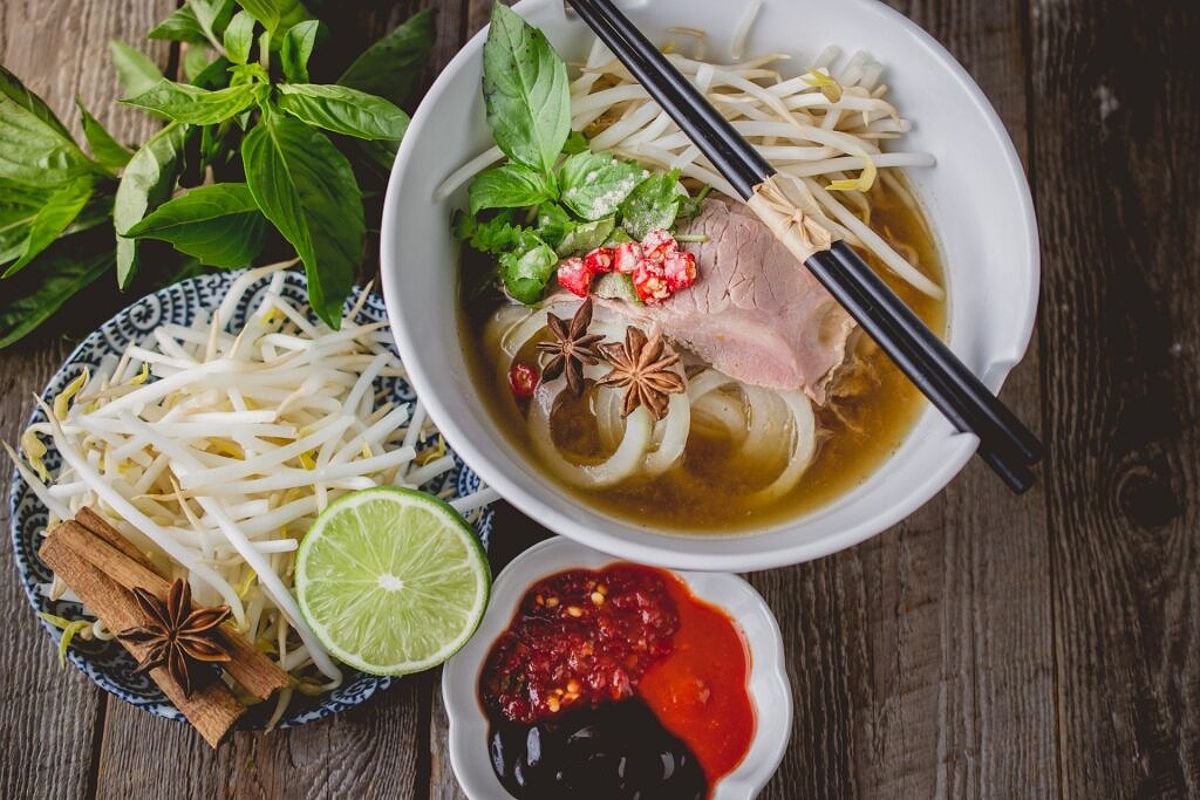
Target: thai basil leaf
(586,237)
(196,60)
(276,14)
(11,89)
(496,235)
(19,206)
(554,223)
(618,236)
(239,37)
(509,186)
(378,155)
(180,26)
(35,148)
(653,204)
(97,211)
(182,102)
(63,270)
(212,16)
(526,272)
(136,73)
(576,143)
(214,76)
(306,187)
(244,74)
(297,48)
(617,286)
(219,225)
(390,67)
(689,206)
(107,151)
(147,182)
(595,185)
(342,110)
(525,91)
(53,219)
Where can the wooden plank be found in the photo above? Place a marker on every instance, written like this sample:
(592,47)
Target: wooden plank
(365,752)
(1117,168)
(49,718)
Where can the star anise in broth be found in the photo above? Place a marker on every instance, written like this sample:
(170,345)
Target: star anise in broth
(179,637)
(572,348)
(642,366)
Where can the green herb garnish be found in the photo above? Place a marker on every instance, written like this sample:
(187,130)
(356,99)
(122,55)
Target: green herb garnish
(256,158)
(574,200)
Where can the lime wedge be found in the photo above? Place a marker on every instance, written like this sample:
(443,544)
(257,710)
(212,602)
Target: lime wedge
(392,581)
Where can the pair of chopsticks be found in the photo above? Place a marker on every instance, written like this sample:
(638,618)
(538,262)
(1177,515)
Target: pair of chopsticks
(1005,444)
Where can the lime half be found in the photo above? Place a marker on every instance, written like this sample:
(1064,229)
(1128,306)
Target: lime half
(392,581)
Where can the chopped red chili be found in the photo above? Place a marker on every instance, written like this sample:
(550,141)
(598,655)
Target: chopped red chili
(580,638)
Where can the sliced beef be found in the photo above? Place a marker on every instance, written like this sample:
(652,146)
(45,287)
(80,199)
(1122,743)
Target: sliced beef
(755,313)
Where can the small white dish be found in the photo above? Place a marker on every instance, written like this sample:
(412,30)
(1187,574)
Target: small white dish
(976,199)
(770,692)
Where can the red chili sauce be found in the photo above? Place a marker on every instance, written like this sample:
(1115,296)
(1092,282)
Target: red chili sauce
(583,638)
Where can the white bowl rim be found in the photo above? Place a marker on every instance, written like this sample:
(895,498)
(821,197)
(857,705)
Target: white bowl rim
(768,683)
(960,446)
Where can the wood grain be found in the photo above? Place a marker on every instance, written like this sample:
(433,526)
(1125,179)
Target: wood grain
(50,720)
(987,647)
(1117,192)
(366,752)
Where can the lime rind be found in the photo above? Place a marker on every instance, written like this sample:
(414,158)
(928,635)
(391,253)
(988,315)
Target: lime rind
(392,581)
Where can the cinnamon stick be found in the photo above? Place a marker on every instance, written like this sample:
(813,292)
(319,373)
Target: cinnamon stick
(258,674)
(100,526)
(212,709)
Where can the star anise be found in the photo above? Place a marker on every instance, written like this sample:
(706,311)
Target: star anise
(572,348)
(643,367)
(178,636)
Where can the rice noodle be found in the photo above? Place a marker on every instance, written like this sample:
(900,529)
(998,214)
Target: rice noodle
(622,464)
(803,448)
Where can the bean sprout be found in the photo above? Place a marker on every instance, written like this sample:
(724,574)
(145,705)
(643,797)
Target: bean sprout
(215,449)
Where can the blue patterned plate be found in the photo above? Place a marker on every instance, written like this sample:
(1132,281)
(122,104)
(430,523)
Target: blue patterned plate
(107,663)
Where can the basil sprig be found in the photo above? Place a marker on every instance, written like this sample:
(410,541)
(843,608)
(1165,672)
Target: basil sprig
(256,157)
(577,200)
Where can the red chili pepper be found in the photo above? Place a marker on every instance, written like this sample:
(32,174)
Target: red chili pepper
(626,257)
(658,244)
(599,260)
(574,276)
(680,270)
(523,379)
(650,282)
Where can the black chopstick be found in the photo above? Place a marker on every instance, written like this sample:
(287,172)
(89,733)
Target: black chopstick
(989,411)
(833,274)
(1005,443)
(740,164)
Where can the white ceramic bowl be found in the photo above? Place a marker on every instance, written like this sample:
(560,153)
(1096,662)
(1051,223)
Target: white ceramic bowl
(769,689)
(976,197)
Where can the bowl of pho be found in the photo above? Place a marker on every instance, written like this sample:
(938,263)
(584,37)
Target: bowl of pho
(624,351)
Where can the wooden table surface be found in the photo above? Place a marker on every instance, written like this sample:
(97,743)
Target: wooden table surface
(989,646)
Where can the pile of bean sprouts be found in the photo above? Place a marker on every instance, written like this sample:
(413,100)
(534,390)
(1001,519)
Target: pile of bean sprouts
(215,449)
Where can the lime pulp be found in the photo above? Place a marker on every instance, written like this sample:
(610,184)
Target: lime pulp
(392,581)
